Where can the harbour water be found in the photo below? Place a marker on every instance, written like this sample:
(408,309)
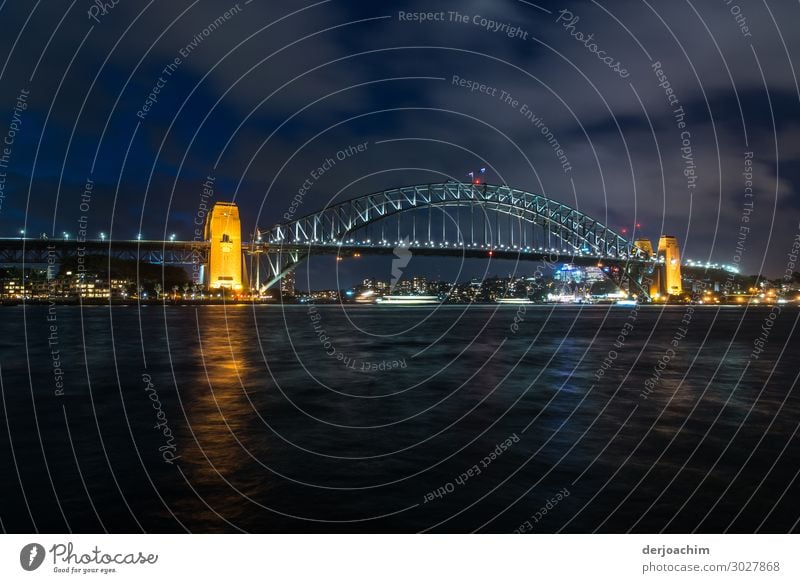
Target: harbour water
(377,419)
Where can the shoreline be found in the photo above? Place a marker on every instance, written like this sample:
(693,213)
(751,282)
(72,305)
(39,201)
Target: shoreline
(219,302)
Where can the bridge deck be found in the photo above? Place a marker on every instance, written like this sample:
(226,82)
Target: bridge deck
(40,251)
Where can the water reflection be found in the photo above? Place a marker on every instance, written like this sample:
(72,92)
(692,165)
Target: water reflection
(223,435)
(265,447)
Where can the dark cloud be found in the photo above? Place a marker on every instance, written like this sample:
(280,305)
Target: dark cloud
(278,87)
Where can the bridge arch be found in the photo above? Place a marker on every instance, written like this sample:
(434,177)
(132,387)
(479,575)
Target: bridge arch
(334,224)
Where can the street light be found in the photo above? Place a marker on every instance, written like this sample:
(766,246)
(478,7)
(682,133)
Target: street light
(66,236)
(22,233)
(172,237)
(139,237)
(102,236)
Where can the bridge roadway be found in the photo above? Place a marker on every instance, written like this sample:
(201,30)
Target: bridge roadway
(36,251)
(466,251)
(42,251)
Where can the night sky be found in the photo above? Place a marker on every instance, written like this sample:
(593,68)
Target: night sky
(273,89)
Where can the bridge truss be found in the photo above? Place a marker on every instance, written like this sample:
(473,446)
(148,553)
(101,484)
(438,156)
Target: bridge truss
(457,219)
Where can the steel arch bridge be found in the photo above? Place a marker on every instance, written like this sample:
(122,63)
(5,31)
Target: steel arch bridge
(500,221)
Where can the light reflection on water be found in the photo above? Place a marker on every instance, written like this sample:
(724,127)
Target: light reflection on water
(272,423)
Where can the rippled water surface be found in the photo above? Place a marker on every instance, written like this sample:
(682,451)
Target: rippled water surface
(454,418)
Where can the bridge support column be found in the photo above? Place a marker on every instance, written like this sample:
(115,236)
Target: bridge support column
(224,231)
(670,256)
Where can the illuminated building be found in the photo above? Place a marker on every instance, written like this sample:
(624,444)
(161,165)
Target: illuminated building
(224,231)
(90,289)
(669,255)
(645,245)
(593,275)
(569,273)
(404,287)
(375,284)
(13,289)
(287,285)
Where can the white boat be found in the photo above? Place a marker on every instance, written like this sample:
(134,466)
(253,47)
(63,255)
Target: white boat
(407,300)
(514,301)
(625,303)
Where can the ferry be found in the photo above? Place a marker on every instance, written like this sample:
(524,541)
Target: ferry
(514,301)
(407,300)
(628,303)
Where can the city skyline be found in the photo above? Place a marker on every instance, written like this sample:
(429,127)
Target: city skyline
(170,168)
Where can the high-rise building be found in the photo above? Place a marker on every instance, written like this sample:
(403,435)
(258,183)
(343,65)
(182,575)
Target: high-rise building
(593,275)
(224,231)
(419,285)
(670,256)
(569,273)
(287,285)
